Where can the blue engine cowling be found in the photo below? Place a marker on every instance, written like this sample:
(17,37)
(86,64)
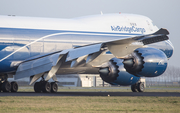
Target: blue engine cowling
(116,74)
(146,62)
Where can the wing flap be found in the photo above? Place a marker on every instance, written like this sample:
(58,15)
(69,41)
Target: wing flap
(81,51)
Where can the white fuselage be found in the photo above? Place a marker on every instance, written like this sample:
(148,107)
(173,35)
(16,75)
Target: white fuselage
(25,37)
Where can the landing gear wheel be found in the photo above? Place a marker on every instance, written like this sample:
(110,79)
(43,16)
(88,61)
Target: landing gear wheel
(140,87)
(37,87)
(46,87)
(6,86)
(14,87)
(54,87)
(134,88)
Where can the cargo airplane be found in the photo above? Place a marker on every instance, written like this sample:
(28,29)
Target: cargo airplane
(121,48)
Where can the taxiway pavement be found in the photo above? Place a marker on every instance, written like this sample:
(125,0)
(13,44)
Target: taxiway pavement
(156,94)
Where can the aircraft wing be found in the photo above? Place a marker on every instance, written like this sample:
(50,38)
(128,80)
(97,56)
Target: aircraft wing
(50,63)
(121,48)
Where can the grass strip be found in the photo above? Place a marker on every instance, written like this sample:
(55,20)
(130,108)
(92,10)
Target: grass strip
(45,104)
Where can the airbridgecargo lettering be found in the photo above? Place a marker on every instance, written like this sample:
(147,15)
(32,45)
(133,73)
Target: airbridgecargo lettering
(128,29)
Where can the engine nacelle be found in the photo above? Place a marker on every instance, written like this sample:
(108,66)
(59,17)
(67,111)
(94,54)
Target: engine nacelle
(146,62)
(116,74)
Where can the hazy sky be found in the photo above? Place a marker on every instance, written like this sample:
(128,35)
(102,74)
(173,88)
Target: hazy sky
(164,13)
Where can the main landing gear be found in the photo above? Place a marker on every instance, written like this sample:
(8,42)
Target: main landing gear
(46,87)
(138,87)
(6,86)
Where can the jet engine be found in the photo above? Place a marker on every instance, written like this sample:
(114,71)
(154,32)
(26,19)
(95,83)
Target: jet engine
(146,62)
(115,73)
(143,62)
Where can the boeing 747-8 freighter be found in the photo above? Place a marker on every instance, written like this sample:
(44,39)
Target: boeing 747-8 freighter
(121,48)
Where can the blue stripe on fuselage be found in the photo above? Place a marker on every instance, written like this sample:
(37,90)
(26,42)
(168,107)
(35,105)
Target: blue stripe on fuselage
(22,30)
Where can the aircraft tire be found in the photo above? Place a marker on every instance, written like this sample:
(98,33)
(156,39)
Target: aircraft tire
(54,87)
(37,87)
(134,88)
(140,87)
(14,86)
(46,87)
(6,86)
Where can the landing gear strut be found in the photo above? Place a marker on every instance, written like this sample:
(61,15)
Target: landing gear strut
(138,87)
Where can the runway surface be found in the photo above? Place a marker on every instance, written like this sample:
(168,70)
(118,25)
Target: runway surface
(156,94)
